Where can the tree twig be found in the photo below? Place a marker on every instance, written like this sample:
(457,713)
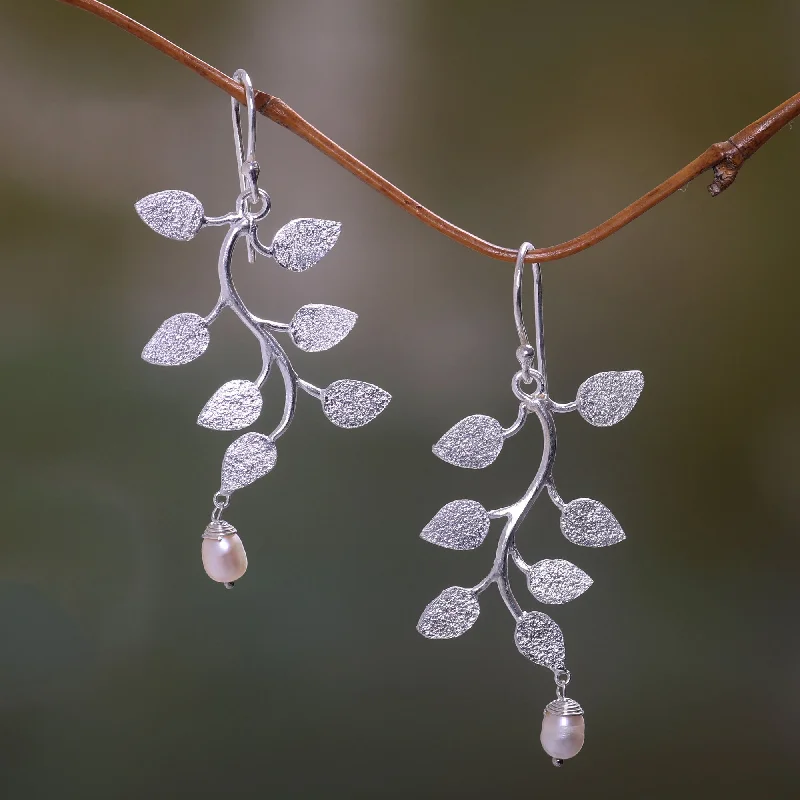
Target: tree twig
(724,158)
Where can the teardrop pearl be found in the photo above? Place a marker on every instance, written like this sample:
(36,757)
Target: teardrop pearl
(562,734)
(224,559)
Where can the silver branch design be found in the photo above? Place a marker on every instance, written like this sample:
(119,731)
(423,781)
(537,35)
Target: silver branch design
(475,443)
(297,246)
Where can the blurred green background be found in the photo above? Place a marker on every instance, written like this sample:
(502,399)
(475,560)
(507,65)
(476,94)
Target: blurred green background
(126,673)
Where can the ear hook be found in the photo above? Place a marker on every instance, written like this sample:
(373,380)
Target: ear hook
(525,352)
(248,166)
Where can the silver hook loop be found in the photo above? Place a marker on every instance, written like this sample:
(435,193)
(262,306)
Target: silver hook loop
(248,166)
(526,352)
(519,266)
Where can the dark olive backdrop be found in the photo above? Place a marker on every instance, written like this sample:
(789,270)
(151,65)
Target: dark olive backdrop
(126,673)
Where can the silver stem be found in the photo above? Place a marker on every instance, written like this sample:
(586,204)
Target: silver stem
(517,512)
(558,501)
(215,312)
(277,327)
(541,362)
(270,349)
(309,388)
(540,406)
(225,219)
(516,426)
(519,562)
(562,408)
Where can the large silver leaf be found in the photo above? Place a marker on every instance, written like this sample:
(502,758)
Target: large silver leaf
(473,443)
(460,525)
(556,581)
(235,405)
(173,213)
(449,615)
(608,397)
(179,340)
(590,524)
(249,458)
(351,404)
(319,327)
(300,243)
(539,638)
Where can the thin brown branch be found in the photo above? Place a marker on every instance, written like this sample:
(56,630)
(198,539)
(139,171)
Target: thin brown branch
(725,158)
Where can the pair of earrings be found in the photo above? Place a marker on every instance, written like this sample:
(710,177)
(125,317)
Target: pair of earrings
(473,443)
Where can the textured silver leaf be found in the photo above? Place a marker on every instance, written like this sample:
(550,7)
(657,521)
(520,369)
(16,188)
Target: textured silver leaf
(473,443)
(608,397)
(590,524)
(556,581)
(174,214)
(350,404)
(249,458)
(539,638)
(449,615)
(460,525)
(179,340)
(235,405)
(318,327)
(300,243)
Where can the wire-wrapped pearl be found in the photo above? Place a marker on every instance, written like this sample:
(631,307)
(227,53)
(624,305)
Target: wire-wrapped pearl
(563,729)
(224,557)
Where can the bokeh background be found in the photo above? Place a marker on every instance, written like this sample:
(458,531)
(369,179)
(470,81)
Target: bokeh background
(126,673)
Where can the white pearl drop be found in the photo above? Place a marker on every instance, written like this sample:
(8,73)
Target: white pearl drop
(562,735)
(224,560)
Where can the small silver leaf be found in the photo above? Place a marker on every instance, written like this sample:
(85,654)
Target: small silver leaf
(608,397)
(174,214)
(235,405)
(473,443)
(449,615)
(590,524)
(179,340)
(539,638)
(319,327)
(249,458)
(351,404)
(556,581)
(300,243)
(460,525)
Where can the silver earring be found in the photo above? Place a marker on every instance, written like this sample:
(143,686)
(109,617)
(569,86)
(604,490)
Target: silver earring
(297,246)
(474,443)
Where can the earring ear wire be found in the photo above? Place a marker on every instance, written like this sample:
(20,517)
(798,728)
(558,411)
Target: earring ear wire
(248,168)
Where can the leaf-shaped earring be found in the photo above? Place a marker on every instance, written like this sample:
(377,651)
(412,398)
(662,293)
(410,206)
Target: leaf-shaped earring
(475,442)
(296,246)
